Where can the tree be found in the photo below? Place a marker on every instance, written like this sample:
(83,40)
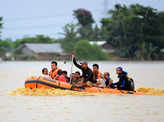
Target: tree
(36,39)
(85,21)
(84,17)
(129,28)
(1,25)
(86,51)
(70,38)
(6,46)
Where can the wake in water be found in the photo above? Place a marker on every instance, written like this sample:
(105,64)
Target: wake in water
(48,92)
(58,92)
(151,91)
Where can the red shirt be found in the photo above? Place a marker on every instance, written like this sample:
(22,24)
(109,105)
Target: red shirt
(62,78)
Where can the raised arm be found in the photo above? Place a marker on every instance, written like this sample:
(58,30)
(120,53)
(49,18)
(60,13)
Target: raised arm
(75,62)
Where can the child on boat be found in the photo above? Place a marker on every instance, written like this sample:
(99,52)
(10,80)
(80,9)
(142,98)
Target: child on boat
(108,80)
(45,73)
(60,76)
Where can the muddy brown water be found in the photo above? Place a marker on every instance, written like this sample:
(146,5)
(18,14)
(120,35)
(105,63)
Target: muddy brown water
(113,108)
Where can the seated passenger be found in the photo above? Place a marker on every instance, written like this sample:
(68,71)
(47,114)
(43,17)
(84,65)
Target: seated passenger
(54,69)
(77,75)
(124,83)
(60,76)
(108,80)
(96,73)
(73,78)
(87,73)
(67,78)
(45,73)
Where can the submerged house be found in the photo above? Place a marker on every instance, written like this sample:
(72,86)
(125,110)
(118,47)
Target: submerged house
(44,51)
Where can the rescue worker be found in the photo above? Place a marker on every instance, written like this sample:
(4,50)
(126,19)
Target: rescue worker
(124,83)
(54,69)
(96,73)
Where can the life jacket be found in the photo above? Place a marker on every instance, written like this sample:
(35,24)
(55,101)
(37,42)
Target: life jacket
(99,75)
(53,73)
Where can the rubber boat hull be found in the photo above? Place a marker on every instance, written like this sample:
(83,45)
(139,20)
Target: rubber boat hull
(35,82)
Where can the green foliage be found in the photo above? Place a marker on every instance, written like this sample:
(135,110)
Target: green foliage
(6,46)
(85,25)
(70,38)
(128,28)
(86,51)
(84,17)
(37,39)
(1,24)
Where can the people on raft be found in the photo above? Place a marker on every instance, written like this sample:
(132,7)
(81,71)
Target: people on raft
(54,69)
(124,83)
(89,77)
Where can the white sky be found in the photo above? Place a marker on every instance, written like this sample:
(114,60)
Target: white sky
(48,17)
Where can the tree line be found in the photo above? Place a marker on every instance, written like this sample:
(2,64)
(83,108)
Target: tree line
(136,32)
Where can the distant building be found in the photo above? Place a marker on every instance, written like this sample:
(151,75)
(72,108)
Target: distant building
(162,50)
(43,51)
(105,46)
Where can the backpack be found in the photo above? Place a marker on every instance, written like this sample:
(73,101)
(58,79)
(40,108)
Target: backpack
(131,84)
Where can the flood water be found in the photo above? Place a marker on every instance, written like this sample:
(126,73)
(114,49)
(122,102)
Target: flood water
(111,108)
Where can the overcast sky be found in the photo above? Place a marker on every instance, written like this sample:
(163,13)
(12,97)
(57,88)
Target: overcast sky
(31,17)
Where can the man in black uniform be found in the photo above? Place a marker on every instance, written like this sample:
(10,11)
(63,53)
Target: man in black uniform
(124,83)
(87,73)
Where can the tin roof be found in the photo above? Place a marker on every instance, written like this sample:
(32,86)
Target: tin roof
(44,48)
(100,43)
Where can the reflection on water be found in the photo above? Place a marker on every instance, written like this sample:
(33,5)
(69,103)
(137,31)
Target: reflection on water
(113,108)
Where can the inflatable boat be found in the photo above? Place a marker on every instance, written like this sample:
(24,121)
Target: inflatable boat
(40,82)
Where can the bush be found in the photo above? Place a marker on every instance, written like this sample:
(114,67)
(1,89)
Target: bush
(84,50)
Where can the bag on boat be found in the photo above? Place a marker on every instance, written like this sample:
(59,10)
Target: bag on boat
(131,84)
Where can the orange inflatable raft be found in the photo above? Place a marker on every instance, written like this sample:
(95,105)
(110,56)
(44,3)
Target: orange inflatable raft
(40,82)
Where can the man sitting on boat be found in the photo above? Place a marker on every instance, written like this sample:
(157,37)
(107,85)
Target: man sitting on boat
(124,83)
(98,79)
(54,69)
(96,73)
(87,73)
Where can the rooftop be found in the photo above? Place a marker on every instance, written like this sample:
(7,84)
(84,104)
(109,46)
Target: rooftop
(44,48)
